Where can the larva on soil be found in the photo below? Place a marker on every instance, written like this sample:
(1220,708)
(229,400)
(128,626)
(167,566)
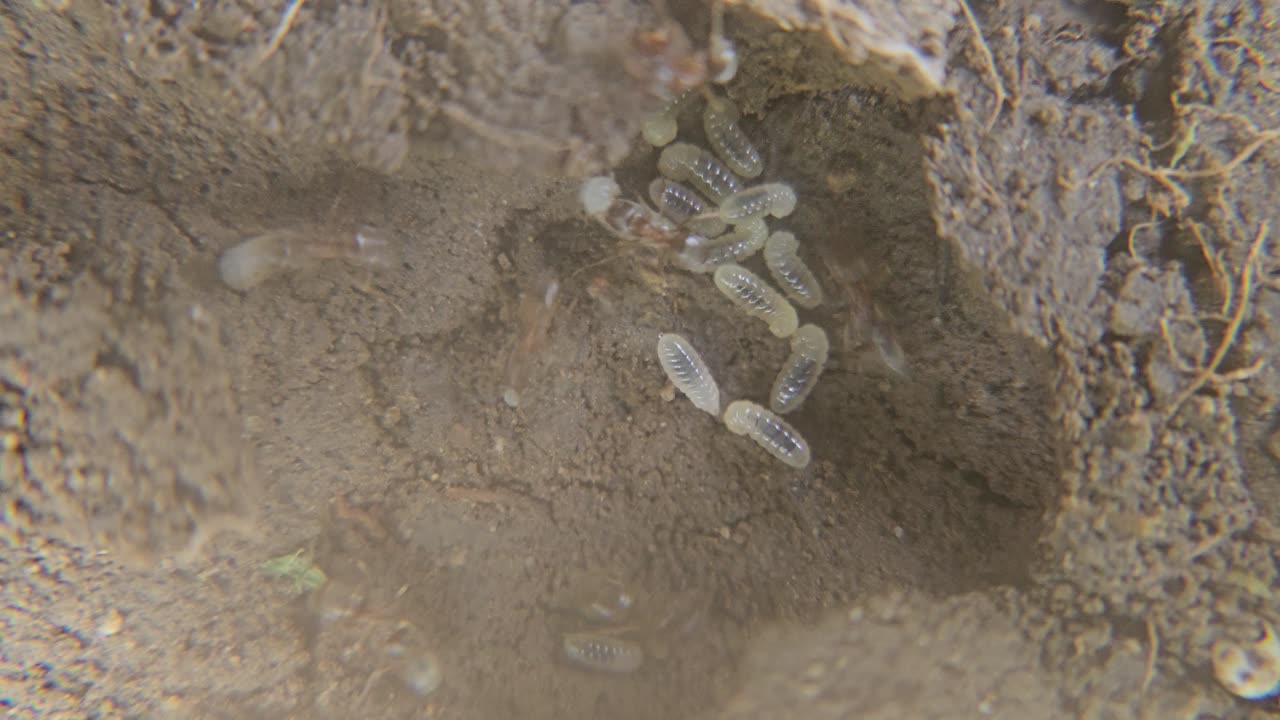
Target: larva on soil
(687,371)
(720,121)
(769,431)
(254,260)
(597,651)
(681,204)
(741,243)
(660,128)
(781,255)
(800,373)
(776,199)
(684,162)
(754,295)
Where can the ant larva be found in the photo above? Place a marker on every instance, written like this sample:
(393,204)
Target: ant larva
(252,261)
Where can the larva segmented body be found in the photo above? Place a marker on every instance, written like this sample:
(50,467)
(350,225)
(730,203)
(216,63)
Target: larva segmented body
(720,120)
(799,374)
(741,243)
(682,205)
(774,199)
(769,431)
(781,255)
(598,193)
(684,162)
(687,371)
(597,651)
(660,128)
(754,295)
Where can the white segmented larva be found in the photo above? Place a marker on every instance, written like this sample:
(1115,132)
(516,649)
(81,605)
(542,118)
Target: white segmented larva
(1251,671)
(720,120)
(754,295)
(769,431)
(598,193)
(660,128)
(597,651)
(681,204)
(781,255)
(687,371)
(741,243)
(684,162)
(799,374)
(774,199)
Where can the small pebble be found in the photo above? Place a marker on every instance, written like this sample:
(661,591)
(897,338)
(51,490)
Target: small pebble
(111,623)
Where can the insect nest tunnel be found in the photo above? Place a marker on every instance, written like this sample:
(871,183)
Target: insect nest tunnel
(742,359)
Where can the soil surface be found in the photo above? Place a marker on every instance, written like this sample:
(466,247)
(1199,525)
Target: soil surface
(430,443)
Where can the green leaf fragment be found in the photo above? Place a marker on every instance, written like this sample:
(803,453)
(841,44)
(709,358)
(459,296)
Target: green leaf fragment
(299,568)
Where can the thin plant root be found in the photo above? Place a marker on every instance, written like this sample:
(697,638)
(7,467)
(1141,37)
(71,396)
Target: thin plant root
(1217,266)
(997,85)
(1148,225)
(286,22)
(1169,176)
(1245,293)
(506,137)
(1254,56)
(1153,652)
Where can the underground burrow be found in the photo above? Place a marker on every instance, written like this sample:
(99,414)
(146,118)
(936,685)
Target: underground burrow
(600,478)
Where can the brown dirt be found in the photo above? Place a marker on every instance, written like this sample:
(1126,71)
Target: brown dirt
(1004,532)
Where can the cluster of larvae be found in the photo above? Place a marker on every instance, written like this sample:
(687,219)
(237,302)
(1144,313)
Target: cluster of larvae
(712,221)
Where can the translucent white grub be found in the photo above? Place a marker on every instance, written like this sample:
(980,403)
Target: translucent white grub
(1250,670)
(684,162)
(781,255)
(254,260)
(720,121)
(660,128)
(754,295)
(598,651)
(800,373)
(682,205)
(735,246)
(537,307)
(776,199)
(687,371)
(598,193)
(769,431)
